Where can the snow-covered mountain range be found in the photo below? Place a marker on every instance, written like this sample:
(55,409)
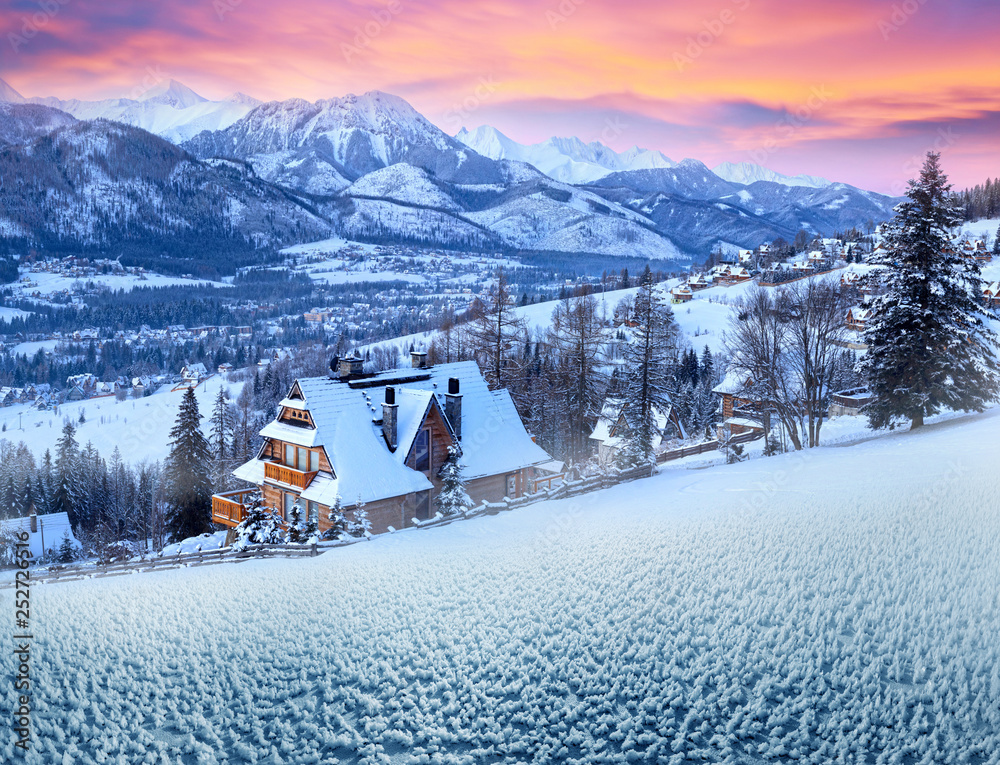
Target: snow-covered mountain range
(372,167)
(749,172)
(564,159)
(169,109)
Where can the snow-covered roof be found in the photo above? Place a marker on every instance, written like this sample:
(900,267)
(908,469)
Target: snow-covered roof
(293,434)
(49,530)
(733,383)
(347,415)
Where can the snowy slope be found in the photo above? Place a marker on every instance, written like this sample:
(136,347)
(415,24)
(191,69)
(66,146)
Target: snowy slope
(9,95)
(402,183)
(839,604)
(750,172)
(565,159)
(140,428)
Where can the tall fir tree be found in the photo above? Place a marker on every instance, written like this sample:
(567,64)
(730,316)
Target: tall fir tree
(187,482)
(66,494)
(648,376)
(929,347)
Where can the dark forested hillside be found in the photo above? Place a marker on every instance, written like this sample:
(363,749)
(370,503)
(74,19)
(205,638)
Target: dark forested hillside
(104,187)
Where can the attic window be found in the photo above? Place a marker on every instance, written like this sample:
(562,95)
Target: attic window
(298,417)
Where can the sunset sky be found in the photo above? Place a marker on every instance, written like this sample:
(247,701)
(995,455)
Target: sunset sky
(853,90)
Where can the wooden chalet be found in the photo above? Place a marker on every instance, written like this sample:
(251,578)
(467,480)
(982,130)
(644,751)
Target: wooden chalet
(681,294)
(857,318)
(991,295)
(612,428)
(382,439)
(741,412)
(699,282)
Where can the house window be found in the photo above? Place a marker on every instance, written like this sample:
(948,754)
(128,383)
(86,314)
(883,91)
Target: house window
(423,511)
(290,455)
(422,451)
(512,486)
(289,501)
(313,511)
(303,463)
(314,462)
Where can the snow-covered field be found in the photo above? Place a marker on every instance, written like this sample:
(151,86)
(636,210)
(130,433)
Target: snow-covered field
(46,284)
(985,229)
(834,606)
(140,428)
(6,314)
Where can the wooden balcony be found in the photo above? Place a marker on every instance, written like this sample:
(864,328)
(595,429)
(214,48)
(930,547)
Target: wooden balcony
(229,508)
(275,471)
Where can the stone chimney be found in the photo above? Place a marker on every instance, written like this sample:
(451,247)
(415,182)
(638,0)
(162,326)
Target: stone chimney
(33,520)
(418,359)
(350,366)
(453,407)
(390,414)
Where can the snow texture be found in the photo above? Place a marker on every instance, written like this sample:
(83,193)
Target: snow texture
(766,611)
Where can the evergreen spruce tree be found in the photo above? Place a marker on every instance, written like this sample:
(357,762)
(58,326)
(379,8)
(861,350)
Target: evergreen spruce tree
(648,376)
(453,498)
(187,482)
(67,552)
(66,496)
(295,531)
(361,526)
(707,369)
(996,243)
(928,345)
(260,526)
(222,425)
(338,521)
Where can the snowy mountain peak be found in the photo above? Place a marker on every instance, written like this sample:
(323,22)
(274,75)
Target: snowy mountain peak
(172,93)
(243,99)
(749,172)
(9,95)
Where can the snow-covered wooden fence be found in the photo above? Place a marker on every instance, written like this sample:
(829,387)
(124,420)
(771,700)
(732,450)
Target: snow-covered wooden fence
(565,489)
(687,451)
(69,573)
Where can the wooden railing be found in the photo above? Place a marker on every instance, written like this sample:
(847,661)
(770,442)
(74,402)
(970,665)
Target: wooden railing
(228,508)
(275,471)
(547,480)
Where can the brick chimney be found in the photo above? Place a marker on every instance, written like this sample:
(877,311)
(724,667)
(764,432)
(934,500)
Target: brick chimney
(453,407)
(390,413)
(350,366)
(418,359)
